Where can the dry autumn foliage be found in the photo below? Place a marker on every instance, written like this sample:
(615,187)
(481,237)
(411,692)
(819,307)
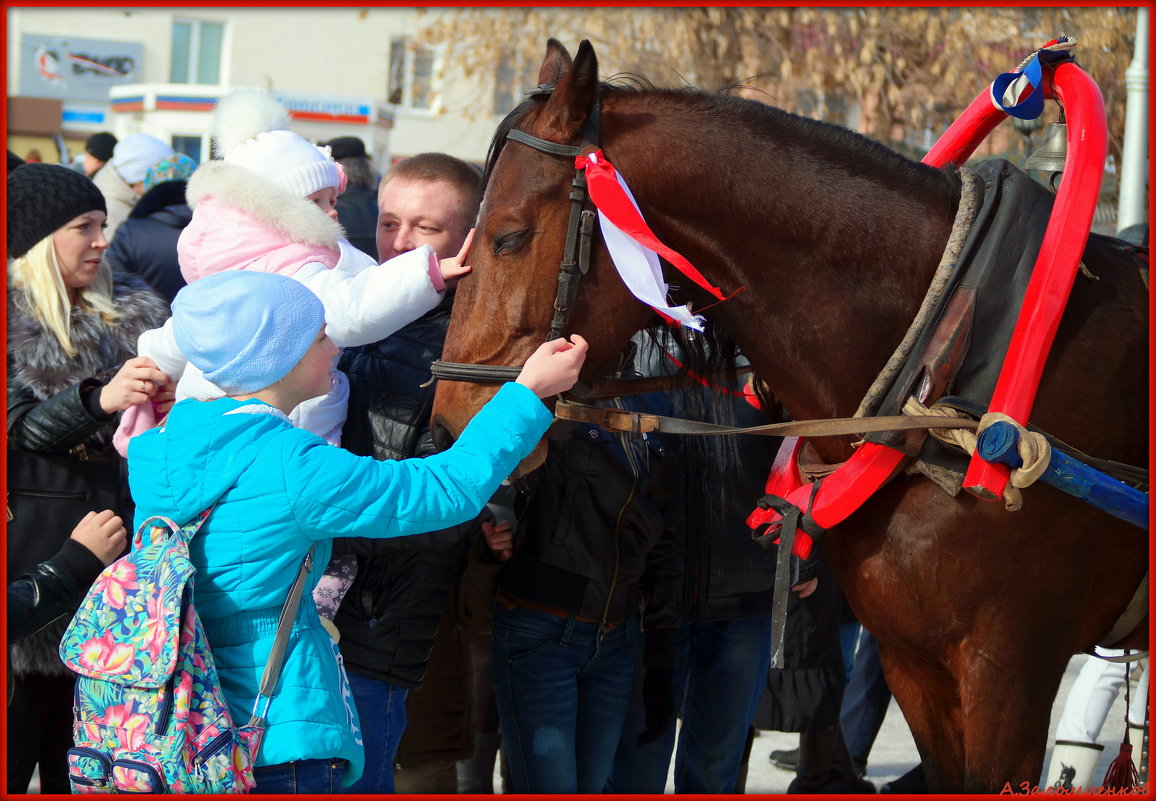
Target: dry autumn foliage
(903,69)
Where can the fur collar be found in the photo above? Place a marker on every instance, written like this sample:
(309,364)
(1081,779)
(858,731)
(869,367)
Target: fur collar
(37,360)
(298,219)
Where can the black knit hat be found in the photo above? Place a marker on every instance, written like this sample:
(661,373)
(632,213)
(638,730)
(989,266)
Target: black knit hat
(100,145)
(345,147)
(44,197)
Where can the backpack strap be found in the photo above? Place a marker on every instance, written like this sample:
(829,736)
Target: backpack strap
(149,527)
(280,643)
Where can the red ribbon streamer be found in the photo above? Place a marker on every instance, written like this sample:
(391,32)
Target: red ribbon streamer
(612,201)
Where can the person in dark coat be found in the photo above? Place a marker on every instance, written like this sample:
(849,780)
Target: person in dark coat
(722,646)
(146,243)
(388,617)
(57,586)
(72,332)
(593,529)
(357,205)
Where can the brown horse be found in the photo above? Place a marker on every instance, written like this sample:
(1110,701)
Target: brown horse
(977,609)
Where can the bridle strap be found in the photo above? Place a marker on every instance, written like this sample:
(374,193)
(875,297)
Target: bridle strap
(543,145)
(575,259)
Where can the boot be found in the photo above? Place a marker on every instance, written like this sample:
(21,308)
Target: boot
(1072,765)
(476,774)
(910,783)
(825,766)
(787,758)
(1136,738)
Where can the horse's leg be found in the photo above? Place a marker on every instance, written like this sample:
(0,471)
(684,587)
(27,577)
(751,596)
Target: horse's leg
(926,694)
(1006,689)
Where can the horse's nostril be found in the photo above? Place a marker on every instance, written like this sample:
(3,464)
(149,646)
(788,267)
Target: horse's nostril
(442,438)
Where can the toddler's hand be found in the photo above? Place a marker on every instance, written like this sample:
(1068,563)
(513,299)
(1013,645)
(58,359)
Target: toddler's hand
(554,366)
(455,267)
(102,533)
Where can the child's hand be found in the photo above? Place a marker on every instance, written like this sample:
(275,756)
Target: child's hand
(102,533)
(136,381)
(554,366)
(163,400)
(499,539)
(455,267)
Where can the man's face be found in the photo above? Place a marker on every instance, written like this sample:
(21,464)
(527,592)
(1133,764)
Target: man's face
(416,213)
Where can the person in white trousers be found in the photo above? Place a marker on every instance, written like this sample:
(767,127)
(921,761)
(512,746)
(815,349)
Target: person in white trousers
(1076,753)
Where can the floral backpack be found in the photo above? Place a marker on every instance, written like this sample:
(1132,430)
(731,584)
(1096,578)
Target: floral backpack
(150,716)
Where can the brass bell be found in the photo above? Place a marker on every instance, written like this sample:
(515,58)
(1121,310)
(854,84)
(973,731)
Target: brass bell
(1052,153)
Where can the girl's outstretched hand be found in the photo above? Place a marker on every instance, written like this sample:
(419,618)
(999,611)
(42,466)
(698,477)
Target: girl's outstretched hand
(554,366)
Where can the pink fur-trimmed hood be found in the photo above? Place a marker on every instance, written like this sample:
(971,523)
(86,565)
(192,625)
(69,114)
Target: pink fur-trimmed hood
(242,221)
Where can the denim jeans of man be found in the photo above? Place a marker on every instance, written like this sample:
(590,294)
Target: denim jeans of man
(722,667)
(304,777)
(865,700)
(381,710)
(563,688)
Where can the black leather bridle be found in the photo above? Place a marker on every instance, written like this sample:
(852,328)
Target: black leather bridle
(575,258)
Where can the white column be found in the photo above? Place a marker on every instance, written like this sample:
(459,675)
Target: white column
(1134,164)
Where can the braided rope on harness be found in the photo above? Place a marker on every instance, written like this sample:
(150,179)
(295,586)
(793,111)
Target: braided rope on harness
(960,228)
(1061,44)
(1034,448)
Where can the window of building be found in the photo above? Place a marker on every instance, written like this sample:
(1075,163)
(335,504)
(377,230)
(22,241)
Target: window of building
(192,145)
(513,78)
(411,73)
(196,52)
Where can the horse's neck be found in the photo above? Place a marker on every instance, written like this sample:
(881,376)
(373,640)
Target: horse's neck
(835,260)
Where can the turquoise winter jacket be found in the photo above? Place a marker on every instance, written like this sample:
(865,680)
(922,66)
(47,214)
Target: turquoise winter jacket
(278,491)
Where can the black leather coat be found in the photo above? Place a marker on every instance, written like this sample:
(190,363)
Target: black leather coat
(61,463)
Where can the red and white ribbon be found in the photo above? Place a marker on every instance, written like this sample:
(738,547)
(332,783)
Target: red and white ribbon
(633,246)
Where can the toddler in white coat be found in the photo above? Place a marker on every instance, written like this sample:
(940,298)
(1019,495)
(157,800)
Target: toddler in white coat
(269,205)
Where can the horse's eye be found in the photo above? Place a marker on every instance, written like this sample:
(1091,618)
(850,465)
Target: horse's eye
(508,242)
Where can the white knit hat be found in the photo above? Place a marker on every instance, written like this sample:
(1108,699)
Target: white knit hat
(249,131)
(134,154)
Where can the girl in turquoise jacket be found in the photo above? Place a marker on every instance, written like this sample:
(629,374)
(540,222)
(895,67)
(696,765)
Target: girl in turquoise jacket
(276,491)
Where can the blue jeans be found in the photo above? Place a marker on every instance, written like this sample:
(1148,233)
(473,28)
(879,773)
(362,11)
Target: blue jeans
(865,701)
(722,667)
(562,688)
(304,777)
(381,710)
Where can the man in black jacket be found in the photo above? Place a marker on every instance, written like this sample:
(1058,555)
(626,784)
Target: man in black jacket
(726,582)
(388,617)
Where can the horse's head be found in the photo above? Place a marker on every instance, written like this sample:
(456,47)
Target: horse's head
(505,306)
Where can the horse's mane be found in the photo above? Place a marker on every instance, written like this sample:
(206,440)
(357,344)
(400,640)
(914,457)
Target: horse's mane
(837,145)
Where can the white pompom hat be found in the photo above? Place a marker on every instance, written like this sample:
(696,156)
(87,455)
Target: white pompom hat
(249,131)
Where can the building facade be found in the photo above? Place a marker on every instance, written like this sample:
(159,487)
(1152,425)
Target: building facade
(341,71)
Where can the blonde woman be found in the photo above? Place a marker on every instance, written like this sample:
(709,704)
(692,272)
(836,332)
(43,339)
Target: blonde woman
(72,334)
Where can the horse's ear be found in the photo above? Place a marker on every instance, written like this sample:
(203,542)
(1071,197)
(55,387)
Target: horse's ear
(574,95)
(555,65)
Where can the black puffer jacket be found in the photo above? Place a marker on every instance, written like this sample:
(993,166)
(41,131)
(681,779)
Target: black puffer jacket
(146,243)
(61,463)
(389,615)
